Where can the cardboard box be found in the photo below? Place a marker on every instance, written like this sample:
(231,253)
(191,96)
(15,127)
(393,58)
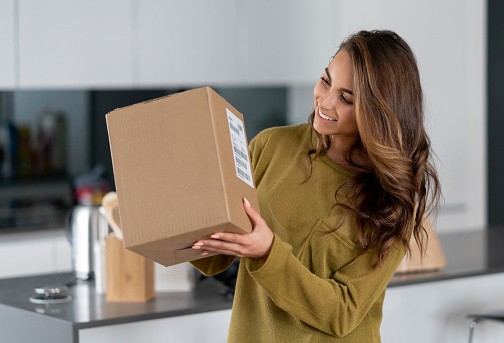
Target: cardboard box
(181,168)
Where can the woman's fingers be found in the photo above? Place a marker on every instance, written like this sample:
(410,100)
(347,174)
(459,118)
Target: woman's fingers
(252,213)
(230,237)
(256,244)
(222,243)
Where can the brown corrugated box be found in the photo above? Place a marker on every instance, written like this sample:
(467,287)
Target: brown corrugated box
(181,168)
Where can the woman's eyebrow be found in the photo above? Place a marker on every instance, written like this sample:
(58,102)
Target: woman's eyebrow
(341,89)
(328,75)
(346,91)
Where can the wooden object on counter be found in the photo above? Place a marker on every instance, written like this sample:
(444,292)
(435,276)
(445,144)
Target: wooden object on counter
(434,258)
(130,277)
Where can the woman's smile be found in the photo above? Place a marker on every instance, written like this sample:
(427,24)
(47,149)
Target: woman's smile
(323,116)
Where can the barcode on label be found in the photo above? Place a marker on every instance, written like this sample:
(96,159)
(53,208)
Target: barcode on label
(240,153)
(234,128)
(240,148)
(242,174)
(241,163)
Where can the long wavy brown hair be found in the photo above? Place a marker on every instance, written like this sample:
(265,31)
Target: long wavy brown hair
(398,185)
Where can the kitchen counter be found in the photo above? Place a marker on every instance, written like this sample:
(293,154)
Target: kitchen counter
(468,254)
(87,309)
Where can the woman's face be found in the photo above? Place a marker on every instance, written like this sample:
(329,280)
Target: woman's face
(333,93)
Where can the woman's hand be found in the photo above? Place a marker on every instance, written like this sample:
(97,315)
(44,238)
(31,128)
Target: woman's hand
(256,244)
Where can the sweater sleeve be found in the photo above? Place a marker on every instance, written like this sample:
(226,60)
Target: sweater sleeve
(336,305)
(214,264)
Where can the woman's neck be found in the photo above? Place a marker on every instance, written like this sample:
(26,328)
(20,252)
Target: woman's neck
(339,149)
(340,146)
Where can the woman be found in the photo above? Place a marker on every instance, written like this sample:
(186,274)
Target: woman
(339,201)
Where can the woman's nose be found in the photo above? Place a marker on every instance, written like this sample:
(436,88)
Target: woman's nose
(327,101)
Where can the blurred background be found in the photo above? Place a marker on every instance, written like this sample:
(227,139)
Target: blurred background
(65,64)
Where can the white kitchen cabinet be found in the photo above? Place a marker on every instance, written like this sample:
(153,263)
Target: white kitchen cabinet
(288,42)
(209,327)
(77,43)
(7,40)
(33,253)
(187,42)
(433,312)
(436,312)
(234,42)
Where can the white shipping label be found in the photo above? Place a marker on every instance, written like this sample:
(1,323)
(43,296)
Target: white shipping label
(240,149)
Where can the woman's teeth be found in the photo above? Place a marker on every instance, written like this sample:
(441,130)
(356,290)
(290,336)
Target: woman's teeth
(323,116)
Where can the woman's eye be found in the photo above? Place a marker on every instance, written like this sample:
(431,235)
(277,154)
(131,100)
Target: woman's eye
(325,82)
(345,100)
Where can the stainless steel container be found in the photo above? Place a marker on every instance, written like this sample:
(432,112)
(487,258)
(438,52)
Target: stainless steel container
(85,226)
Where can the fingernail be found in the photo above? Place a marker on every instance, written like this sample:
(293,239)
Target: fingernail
(247,203)
(204,253)
(196,247)
(214,236)
(198,243)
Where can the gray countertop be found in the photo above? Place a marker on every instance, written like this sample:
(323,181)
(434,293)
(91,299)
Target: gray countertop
(88,309)
(467,254)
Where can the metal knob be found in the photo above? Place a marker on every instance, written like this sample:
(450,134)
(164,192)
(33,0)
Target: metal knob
(52,291)
(51,294)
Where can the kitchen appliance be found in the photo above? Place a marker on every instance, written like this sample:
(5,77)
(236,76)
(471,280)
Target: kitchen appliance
(86,225)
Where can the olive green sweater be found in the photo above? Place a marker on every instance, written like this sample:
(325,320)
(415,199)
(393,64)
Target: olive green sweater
(312,287)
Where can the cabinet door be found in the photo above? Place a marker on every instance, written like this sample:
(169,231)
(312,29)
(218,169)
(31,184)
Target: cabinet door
(288,41)
(75,43)
(187,42)
(7,63)
(37,252)
(208,327)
